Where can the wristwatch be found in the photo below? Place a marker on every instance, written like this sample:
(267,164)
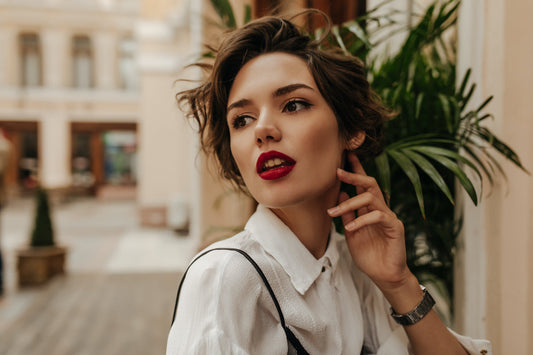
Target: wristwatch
(416,314)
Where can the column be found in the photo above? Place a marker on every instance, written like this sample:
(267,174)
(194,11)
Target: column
(54,150)
(165,166)
(56,58)
(9,57)
(105,60)
(470,260)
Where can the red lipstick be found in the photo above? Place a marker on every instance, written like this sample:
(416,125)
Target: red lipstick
(273,165)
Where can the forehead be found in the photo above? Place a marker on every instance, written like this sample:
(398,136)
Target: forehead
(268,72)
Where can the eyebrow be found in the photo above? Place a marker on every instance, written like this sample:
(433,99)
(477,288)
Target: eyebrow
(290,88)
(237,104)
(279,92)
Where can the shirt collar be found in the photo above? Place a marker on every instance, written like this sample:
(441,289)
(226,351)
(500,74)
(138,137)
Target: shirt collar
(279,241)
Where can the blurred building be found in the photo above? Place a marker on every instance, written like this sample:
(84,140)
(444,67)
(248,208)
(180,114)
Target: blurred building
(69,92)
(87,97)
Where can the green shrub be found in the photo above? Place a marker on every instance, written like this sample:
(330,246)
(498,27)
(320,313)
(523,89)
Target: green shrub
(43,232)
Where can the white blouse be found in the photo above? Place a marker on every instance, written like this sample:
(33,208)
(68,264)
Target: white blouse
(329,304)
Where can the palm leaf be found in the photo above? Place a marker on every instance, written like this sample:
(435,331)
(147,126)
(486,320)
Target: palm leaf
(358,31)
(382,164)
(338,37)
(247,13)
(412,173)
(501,147)
(225,12)
(469,150)
(441,156)
(430,170)
(438,151)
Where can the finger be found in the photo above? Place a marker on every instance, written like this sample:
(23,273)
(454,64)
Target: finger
(343,196)
(348,216)
(362,203)
(361,182)
(375,217)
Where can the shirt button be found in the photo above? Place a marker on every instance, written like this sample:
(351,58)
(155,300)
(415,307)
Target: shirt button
(323,268)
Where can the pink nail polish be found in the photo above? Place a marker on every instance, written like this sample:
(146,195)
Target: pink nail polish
(333,210)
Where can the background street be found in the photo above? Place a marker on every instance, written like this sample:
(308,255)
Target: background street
(117,296)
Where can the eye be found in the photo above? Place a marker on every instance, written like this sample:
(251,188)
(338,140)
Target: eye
(241,121)
(296,105)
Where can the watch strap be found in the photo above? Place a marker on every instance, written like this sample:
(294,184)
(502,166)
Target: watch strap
(417,313)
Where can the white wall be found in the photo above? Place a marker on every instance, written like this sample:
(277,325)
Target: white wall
(491,38)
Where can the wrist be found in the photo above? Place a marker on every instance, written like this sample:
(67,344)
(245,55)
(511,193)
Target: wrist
(405,296)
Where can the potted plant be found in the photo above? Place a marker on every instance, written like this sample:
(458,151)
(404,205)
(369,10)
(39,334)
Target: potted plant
(42,259)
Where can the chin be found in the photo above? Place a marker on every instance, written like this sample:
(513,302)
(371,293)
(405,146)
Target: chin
(296,197)
(294,190)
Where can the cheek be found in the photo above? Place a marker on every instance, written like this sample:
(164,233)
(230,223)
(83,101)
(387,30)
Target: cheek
(238,153)
(324,140)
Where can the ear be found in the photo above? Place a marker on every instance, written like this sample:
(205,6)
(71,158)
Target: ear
(356,141)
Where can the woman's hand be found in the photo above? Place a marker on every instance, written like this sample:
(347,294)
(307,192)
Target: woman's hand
(375,236)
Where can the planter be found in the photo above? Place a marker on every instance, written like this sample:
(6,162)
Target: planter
(36,265)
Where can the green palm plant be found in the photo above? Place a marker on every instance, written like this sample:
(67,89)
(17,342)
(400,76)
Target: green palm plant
(435,140)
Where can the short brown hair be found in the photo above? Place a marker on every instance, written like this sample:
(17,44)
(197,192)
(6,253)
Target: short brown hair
(340,78)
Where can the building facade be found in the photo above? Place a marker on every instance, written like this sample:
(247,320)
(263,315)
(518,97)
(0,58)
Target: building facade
(69,93)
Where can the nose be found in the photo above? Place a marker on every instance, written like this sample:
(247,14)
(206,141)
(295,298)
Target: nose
(266,129)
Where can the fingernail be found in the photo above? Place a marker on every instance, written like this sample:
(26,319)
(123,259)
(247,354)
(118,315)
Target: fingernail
(350,226)
(333,210)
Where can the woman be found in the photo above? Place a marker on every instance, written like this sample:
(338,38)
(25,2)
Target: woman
(284,118)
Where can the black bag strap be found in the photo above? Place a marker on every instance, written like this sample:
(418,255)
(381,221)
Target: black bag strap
(291,338)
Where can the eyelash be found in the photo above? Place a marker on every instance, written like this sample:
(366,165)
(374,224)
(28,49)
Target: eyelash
(305,105)
(238,123)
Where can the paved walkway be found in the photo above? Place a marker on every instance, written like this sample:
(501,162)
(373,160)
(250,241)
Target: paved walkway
(118,294)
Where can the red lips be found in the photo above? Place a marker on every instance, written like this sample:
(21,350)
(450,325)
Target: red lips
(274,165)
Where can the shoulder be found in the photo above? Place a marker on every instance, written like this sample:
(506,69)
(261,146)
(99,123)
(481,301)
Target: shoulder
(221,263)
(220,290)
(220,274)
(223,305)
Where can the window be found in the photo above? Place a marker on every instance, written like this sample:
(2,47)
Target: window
(31,59)
(339,10)
(120,157)
(127,67)
(82,175)
(266,7)
(82,62)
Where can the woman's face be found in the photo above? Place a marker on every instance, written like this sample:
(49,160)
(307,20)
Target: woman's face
(284,136)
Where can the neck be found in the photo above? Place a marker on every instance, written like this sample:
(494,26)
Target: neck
(310,222)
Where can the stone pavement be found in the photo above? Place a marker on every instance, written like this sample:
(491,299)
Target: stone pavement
(118,294)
